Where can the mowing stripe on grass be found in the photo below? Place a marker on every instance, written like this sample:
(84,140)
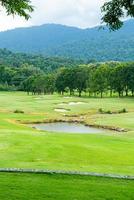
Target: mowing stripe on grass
(19,170)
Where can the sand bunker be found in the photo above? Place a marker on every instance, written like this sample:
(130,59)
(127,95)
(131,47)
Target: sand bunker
(75,103)
(62,104)
(67,97)
(39,98)
(72,103)
(61,110)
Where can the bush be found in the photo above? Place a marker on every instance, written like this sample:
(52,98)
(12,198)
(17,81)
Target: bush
(19,111)
(6,87)
(123,110)
(100,110)
(108,112)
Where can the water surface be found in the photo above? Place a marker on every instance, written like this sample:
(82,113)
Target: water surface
(65,127)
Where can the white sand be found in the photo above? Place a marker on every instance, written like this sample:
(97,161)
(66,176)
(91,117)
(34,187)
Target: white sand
(75,103)
(60,110)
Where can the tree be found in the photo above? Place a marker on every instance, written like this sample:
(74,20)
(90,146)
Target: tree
(129,78)
(6,75)
(100,84)
(28,85)
(19,7)
(70,77)
(66,80)
(60,81)
(114,10)
(81,78)
(48,83)
(111,77)
(118,83)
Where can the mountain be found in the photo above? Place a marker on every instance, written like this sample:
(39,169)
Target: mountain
(59,40)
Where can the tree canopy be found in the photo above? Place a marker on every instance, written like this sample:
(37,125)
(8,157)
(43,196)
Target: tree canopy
(94,79)
(19,7)
(114,10)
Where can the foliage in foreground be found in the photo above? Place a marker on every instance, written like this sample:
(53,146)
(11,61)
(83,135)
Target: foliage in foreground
(114,10)
(19,7)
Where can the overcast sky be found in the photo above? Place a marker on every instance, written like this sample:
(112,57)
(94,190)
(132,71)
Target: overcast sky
(79,13)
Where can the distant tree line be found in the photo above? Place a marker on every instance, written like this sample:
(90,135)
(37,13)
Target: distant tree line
(97,79)
(92,79)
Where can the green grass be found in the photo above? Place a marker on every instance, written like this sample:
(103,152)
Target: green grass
(59,187)
(24,147)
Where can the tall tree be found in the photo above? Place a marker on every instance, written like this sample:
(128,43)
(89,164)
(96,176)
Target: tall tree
(100,76)
(114,10)
(81,78)
(118,83)
(60,81)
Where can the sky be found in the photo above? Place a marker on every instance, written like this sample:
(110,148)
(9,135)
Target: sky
(78,13)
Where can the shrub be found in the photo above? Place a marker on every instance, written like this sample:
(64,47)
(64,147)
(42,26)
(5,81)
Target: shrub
(108,112)
(6,87)
(19,111)
(101,110)
(104,112)
(123,110)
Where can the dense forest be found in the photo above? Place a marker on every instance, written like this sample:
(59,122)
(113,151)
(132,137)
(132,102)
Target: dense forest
(92,79)
(47,64)
(58,40)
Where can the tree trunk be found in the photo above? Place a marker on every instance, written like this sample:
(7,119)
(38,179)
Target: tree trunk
(126,92)
(101,94)
(80,93)
(111,93)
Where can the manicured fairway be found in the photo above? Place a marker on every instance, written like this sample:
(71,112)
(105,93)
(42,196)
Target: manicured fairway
(59,187)
(24,147)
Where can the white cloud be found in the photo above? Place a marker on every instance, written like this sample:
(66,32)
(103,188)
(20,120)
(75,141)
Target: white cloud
(80,13)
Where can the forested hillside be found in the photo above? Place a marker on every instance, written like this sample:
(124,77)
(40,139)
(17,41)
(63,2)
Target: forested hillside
(47,64)
(59,40)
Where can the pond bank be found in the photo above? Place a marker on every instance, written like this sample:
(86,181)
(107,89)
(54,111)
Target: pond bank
(80,121)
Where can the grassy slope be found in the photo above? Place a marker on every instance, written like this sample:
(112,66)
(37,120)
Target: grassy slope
(21,146)
(50,187)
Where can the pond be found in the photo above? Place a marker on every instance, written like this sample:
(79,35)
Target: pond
(65,127)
